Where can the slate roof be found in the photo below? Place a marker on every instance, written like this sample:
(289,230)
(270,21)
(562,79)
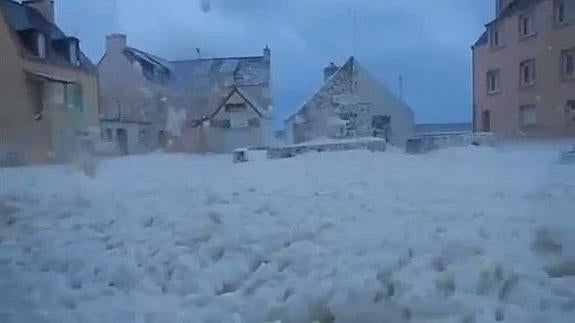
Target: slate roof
(21,18)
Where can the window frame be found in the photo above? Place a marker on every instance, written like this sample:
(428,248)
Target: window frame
(527,16)
(41,45)
(523,123)
(495,36)
(74,96)
(565,53)
(532,64)
(561,14)
(570,111)
(496,73)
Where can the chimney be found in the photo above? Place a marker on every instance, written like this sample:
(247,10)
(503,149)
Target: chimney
(267,54)
(329,71)
(116,43)
(44,7)
(501,5)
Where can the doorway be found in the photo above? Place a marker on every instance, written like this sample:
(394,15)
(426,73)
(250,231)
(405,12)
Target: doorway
(486,121)
(122,137)
(381,126)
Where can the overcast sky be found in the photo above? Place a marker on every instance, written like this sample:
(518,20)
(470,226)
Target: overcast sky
(427,42)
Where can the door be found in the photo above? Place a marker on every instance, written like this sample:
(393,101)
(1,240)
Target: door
(122,138)
(381,126)
(486,121)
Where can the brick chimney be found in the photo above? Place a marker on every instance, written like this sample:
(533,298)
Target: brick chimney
(267,54)
(44,7)
(329,71)
(116,43)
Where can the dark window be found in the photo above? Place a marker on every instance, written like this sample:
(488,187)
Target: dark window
(570,111)
(495,37)
(564,11)
(568,63)
(527,72)
(526,25)
(493,81)
(107,135)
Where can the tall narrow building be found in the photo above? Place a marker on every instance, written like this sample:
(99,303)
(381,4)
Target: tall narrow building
(524,70)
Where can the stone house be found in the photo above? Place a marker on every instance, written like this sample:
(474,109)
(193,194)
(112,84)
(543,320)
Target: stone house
(197,105)
(524,70)
(49,88)
(134,87)
(351,104)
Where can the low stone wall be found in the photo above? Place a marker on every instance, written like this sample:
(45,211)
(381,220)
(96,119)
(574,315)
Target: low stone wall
(425,143)
(371,144)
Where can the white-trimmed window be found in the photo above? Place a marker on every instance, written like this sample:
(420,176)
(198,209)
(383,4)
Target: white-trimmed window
(568,63)
(527,75)
(493,81)
(527,116)
(526,25)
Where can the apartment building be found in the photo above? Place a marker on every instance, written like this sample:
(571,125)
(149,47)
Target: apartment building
(524,70)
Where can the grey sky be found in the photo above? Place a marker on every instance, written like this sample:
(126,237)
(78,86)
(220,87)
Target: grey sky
(425,41)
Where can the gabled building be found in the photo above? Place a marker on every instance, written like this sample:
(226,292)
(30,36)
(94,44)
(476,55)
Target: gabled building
(136,96)
(48,87)
(202,105)
(524,70)
(351,104)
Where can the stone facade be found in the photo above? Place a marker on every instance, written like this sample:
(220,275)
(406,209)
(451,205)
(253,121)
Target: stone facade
(135,97)
(523,71)
(49,90)
(351,104)
(141,91)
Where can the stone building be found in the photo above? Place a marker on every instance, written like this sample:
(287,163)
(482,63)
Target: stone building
(524,70)
(351,104)
(135,92)
(196,105)
(48,87)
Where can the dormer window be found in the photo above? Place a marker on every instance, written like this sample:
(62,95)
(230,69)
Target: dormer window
(40,45)
(73,51)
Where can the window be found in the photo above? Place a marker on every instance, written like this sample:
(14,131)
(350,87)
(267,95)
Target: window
(37,93)
(41,45)
(568,63)
(74,95)
(235,107)
(239,120)
(564,11)
(495,37)
(527,72)
(527,116)
(73,53)
(526,25)
(570,111)
(493,81)
(107,135)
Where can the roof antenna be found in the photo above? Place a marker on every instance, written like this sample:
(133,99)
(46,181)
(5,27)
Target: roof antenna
(401,87)
(199,52)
